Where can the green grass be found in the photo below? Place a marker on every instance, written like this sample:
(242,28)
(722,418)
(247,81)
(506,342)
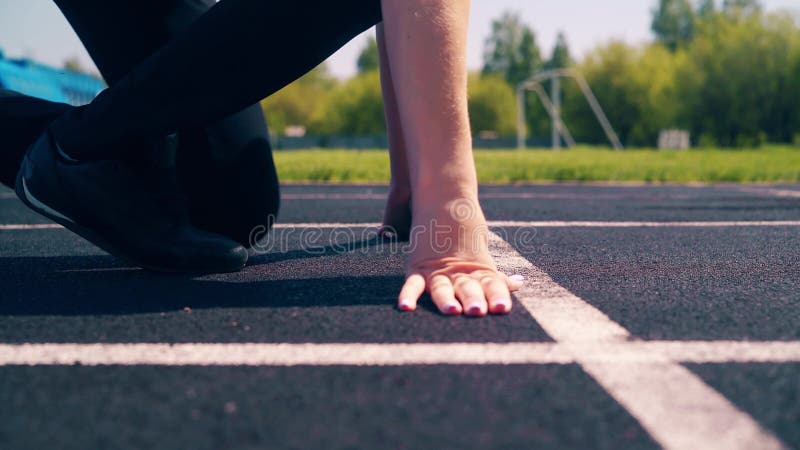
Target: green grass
(770,164)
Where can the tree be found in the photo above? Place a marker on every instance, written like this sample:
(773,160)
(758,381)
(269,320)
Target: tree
(511,50)
(354,107)
(706,9)
(492,106)
(741,8)
(673,23)
(653,77)
(635,87)
(739,88)
(607,70)
(297,103)
(368,59)
(560,57)
(537,118)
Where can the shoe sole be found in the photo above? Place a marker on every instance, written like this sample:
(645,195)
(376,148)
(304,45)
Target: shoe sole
(21,189)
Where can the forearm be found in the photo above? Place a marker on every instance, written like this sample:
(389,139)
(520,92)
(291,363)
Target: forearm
(426,48)
(394,130)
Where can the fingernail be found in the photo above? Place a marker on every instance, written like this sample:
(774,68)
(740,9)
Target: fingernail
(405,304)
(502,305)
(451,308)
(519,278)
(474,310)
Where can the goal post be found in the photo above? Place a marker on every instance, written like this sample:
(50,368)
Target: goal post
(553,107)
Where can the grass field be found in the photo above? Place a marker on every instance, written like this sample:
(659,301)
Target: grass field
(770,164)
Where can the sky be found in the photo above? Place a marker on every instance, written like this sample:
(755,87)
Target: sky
(36,29)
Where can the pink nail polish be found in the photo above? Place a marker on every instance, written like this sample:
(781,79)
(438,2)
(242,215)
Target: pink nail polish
(474,310)
(502,305)
(451,309)
(405,305)
(517,277)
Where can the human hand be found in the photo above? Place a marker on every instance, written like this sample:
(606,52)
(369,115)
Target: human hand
(450,260)
(396,223)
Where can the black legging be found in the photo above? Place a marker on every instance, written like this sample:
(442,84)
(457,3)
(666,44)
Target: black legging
(233,55)
(237,53)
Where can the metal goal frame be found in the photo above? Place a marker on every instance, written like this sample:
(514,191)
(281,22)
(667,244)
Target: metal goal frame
(553,107)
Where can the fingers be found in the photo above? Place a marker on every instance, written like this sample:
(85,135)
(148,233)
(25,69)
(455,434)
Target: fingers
(467,294)
(514,282)
(470,293)
(443,295)
(410,293)
(496,291)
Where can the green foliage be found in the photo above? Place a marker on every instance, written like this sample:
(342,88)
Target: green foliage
(369,59)
(741,8)
(536,117)
(492,106)
(609,70)
(740,84)
(706,8)
(511,50)
(735,84)
(636,88)
(673,23)
(560,57)
(354,107)
(297,103)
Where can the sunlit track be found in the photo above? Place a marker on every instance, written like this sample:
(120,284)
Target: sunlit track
(657,382)
(674,405)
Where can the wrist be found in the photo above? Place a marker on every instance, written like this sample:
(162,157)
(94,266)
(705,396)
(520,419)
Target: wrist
(442,185)
(461,211)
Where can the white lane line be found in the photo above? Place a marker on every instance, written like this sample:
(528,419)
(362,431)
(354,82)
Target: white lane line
(282,354)
(301,225)
(570,196)
(256,354)
(704,352)
(650,224)
(674,405)
(573,224)
(30,226)
(500,223)
(487,195)
(321,196)
(772,192)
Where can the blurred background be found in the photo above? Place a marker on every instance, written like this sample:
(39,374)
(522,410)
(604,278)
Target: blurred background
(709,74)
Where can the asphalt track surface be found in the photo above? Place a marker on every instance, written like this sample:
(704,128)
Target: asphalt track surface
(653,316)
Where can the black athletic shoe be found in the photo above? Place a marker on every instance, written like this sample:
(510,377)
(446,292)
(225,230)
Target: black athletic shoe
(119,210)
(22,119)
